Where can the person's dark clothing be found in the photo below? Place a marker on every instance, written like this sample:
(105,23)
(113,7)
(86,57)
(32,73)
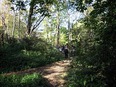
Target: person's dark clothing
(66,53)
(63,48)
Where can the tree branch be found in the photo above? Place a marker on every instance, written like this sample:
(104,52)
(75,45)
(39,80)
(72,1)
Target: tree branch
(38,20)
(36,25)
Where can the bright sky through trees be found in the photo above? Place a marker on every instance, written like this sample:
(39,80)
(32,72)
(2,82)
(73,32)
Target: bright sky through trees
(73,16)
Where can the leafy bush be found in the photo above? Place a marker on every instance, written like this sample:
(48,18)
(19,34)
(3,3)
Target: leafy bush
(27,53)
(81,74)
(32,80)
(87,67)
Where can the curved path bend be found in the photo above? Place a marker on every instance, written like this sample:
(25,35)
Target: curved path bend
(53,73)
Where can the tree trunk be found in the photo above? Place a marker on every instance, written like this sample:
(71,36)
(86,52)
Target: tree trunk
(14,24)
(30,17)
(4,29)
(19,24)
(69,28)
(58,29)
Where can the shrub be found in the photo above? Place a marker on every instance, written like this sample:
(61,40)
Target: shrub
(27,53)
(31,80)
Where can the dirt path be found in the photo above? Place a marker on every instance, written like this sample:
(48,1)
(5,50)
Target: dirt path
(54,73)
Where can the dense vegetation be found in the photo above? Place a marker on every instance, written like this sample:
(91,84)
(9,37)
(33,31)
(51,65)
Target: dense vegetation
(32,53)
(32,80)
(95,64)
(88,25)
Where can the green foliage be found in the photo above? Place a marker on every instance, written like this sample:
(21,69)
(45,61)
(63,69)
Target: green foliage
(31,80)
(33,52)
(95,65)
(86,72)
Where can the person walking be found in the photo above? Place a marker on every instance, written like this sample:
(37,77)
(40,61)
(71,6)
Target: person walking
(66,52)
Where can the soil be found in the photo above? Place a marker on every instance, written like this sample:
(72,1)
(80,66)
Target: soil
(53,73)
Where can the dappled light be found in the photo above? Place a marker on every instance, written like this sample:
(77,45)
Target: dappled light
(57,43)
(54,73)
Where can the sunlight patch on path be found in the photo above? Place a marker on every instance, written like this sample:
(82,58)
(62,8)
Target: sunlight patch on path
(54,73)
(56,77)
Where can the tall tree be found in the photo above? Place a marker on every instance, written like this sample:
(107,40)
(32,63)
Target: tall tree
(60,6)
(99,57)
(38,9)
(4,19)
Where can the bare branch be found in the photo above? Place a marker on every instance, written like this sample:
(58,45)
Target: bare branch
(38,20)
(36,25)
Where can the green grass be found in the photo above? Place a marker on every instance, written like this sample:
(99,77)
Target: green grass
(32,80)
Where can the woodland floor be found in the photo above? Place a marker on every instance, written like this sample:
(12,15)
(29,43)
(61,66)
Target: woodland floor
(53,73)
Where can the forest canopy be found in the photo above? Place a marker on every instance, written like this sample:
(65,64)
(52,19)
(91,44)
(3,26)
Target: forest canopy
(39,27)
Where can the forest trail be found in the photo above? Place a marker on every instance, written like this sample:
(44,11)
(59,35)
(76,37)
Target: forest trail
(53,73)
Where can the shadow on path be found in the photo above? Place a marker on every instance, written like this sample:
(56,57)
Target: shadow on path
(53,73)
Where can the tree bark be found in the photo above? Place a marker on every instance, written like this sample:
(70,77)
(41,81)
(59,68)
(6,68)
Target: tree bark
(19,23)
(14,24)
(30,17)
(58,29)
